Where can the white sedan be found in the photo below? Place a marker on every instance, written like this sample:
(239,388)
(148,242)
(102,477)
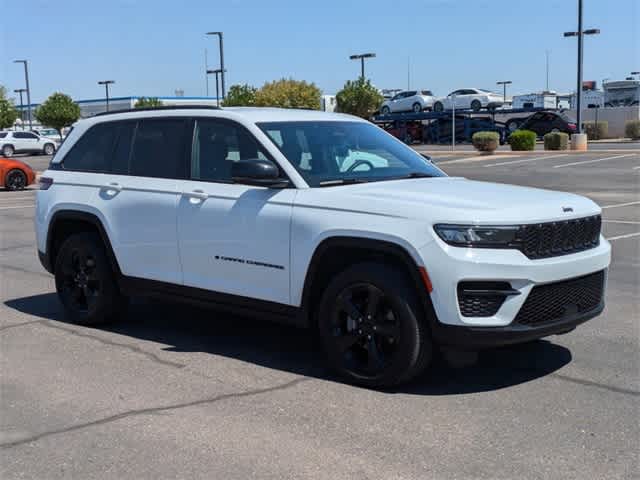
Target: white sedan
(469,98)
(409,101)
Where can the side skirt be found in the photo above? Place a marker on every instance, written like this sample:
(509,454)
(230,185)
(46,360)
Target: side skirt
(244,306)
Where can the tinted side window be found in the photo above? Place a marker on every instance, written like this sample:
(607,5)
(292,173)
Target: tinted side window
(159,149)
(216,145)
(3,134)
(92,152)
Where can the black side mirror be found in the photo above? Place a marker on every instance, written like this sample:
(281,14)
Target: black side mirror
(257,172)
(427,157)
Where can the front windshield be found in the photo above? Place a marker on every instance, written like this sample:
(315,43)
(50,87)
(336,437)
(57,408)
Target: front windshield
(329,153)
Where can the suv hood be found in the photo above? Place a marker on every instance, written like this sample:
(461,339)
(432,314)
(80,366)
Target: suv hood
(453,200)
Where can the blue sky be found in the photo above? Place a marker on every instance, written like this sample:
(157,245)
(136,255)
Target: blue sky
(155,47)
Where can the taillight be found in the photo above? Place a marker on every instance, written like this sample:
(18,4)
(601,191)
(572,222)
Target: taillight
(572,126)
(45,183)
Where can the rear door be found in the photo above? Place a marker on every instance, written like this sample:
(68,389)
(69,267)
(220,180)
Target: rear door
(26,142)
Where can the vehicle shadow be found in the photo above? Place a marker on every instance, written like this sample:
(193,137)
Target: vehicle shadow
(190,329)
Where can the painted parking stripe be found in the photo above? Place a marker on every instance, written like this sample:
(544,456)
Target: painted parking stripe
(531,159)
(628,235)
(626,222)
(18,206)
(616,205)
(593,161)
(637,168)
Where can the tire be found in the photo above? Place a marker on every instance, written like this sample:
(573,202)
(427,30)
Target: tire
(408,139)
(351,324)
(385,110)
(512,125)
(8,150)
(49,149)
(85,282)
(416,107)
(476,106)
(438,107)
(15,180)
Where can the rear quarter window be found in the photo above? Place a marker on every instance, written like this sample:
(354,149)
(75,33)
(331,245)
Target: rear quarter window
(92,152)
(3,134)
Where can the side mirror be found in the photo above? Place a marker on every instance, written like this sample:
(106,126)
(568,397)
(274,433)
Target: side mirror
(257,172)
(427,157)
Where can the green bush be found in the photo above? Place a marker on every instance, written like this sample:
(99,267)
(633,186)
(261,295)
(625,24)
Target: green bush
(358,98)
(632,129)
(485,141)
(556,141)
(241,96)
(289,93)
(596,131)
(522,140)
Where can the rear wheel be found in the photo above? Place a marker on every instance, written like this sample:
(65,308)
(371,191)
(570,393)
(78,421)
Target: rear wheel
(85,282)
(438,107)
(417,108)
(371,326)
(476,105)
(15,180)
(512,125)
(8,150)
(49,149)
(385,110)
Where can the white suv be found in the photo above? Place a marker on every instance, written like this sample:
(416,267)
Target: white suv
(409,101)
(25,142)
(319,219)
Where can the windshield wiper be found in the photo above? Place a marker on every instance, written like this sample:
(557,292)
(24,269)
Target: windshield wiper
(414,175)
(341,181)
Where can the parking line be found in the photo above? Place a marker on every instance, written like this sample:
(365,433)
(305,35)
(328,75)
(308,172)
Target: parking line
(593,161)
(531,159)
(7,198)
(615,205)
(626,222)
(18,206)
(628,235)
(636,168)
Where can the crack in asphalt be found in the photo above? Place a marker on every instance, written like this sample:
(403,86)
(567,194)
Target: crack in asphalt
(7,327)
(590,383)
(126,346)
(153,411)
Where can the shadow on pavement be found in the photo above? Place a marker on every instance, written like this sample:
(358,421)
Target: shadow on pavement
(190,329)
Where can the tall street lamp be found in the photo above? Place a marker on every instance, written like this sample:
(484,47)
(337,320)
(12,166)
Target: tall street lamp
(20,91)
(26,79)
(361,57)
(222,70)
(580,34)
(106,84)
(504,84)
(217,72)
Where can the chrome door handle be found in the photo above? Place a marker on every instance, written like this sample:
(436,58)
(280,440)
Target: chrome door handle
(197,196)
(112,189)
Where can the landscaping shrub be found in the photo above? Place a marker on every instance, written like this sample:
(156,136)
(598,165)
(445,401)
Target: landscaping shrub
(632,129)
(522,140)
(556,141)
(485,141)
(596,131)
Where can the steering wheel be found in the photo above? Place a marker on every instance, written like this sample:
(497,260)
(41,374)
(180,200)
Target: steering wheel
(357,163)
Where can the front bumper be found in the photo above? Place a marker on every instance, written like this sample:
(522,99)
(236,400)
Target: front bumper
(447,266)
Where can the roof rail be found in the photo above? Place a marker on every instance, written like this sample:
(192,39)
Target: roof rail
(164,107)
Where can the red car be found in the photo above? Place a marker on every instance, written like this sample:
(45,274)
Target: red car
(15,175)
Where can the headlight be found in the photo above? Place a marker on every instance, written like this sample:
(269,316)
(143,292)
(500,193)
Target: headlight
(479,235)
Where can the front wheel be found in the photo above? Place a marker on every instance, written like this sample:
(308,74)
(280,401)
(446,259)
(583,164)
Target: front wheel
(476,105)
(49,149)
(438,107)
(417,108)
(385,110)
(372,328)
(85,282)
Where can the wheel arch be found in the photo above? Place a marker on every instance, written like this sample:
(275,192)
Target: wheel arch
(349,250)
(67,222)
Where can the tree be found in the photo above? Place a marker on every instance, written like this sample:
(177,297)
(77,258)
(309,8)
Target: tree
(289,93)
(359,98)
(8,112)
(148,102)
(240,96)
(58,111)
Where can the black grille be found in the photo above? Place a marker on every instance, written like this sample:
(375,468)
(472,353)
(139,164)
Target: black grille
(485,304)
(545,240)
(555,301)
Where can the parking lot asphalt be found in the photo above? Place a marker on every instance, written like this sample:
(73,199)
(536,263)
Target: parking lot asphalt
(177,392)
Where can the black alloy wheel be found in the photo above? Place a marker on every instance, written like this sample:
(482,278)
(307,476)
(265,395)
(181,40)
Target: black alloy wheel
(15,180)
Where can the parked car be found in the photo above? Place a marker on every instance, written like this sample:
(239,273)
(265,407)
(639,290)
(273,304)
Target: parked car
(408,101)
(545,122)
(439,131)
(317,219)
(469,98)
(409,132)
(48,132)
(14,174)
(25,142)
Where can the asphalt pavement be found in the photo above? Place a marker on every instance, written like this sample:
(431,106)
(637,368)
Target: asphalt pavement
(177,392)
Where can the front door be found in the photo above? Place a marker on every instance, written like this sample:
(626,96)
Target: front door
(233,238)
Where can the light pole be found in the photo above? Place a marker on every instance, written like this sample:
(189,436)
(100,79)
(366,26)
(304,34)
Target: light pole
(546,53)
(504,84)
(26,79)
(20,91)
(217,72)
(361,57)
(222,70)
(106,84)
(580,34)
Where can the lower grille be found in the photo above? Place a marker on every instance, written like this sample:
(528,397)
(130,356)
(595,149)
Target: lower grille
(555,301)
(482,299)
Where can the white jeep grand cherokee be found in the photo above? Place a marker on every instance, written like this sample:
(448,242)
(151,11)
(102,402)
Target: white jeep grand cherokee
(322,220)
